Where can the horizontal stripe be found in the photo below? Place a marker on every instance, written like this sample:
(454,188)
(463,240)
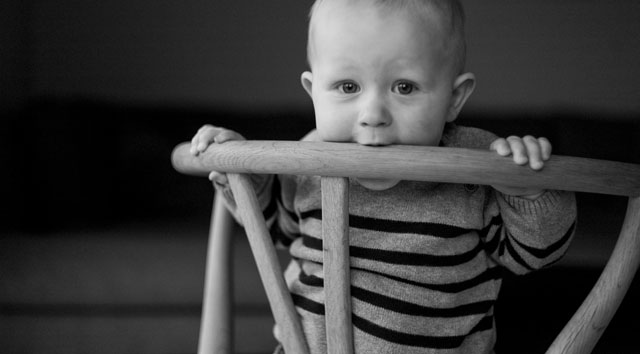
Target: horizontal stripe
(416,340)
(408,308)
(310,280)
(396,226)
(495,221)
(546,252)
(389,335)
(307,304)
(280,237)
(515,255)
(404,307)
(495,273)
(403,258)
(491,246)
(292,217)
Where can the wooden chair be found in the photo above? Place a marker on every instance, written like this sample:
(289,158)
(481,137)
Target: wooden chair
(335,162)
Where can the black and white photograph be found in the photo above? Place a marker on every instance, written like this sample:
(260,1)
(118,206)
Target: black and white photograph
(319,177)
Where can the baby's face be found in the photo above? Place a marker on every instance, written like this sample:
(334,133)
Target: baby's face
(378,78)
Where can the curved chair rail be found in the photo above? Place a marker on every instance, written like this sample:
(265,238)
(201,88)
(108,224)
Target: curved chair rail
(437,164)
(418,163)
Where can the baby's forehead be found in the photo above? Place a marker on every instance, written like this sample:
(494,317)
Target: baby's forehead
(433,23)
(429,20)
(427,12)
(430,25)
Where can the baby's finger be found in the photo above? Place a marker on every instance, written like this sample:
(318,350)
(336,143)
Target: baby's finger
(227,135)
(500,146)
(534,151)
(195,141)
(518,150)
(218,178)
(545,147)
(207,135)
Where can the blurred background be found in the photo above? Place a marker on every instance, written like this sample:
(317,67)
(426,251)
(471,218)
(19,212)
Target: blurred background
(102,244)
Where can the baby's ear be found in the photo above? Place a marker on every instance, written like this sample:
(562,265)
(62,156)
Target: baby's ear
(307,81)
(463,86)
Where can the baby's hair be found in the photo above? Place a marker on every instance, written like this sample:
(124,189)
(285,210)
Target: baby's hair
(451,12)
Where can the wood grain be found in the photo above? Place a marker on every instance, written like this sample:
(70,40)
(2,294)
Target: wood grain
(268,265)
(583,331)
(337,284)
(439,164)
(420,163)
(216,323)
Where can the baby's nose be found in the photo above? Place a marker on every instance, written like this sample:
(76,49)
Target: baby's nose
(374,115)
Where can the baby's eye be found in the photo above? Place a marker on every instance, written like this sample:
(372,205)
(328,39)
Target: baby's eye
(349,87)
(404,88)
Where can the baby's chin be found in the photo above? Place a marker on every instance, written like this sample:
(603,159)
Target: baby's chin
(377,184)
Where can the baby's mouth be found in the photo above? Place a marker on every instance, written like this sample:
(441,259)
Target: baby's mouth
(372,137)
(376,184)
(375,143)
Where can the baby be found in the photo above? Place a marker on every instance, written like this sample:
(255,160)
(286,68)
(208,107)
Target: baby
(427,259)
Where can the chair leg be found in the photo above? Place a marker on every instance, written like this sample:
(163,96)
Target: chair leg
(584,329)
(337,285)
(216,324)
(264,253)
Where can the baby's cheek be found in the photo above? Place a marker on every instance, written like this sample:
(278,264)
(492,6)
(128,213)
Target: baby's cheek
(334,131)
(335,137)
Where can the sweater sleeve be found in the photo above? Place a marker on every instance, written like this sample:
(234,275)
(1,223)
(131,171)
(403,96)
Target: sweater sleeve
(287,226)
(528,235)
(262,185)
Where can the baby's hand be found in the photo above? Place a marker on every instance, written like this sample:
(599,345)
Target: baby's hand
(524,150)
(207,135)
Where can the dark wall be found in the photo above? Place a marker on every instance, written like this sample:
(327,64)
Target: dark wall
(543,55)
(14,55)
(95,94)
(532,55)
(90,162)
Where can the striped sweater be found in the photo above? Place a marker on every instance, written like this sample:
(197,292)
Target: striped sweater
(426,258)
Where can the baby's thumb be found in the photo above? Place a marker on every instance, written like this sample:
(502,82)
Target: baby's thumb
(218,178)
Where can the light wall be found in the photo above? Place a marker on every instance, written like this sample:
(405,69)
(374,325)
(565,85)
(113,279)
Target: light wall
(528,55)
